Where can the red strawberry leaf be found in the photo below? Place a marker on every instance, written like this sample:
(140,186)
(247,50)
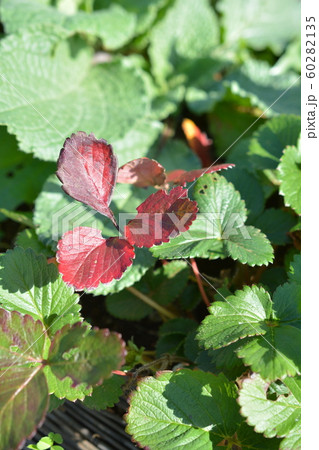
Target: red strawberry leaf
(182,177)
(161,217)
(87,259)
(142,172)
(87,168)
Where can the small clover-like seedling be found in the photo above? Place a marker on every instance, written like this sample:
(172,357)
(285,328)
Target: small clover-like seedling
(87,168)
(48,442)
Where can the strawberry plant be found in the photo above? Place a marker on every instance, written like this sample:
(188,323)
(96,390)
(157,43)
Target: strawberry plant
(150,225)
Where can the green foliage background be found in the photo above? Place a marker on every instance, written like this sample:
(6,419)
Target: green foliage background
(130,71)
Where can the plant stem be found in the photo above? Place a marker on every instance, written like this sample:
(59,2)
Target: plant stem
(151,303)
(199,282)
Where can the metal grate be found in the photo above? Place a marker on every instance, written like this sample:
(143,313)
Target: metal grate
(85,429)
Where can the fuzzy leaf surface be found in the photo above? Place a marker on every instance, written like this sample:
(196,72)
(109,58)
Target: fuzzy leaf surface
(29,285)
(87,259)
(87,168)
(257,82)
(71,93)
(19,14)
(280,417)
(187,32)
(159,412)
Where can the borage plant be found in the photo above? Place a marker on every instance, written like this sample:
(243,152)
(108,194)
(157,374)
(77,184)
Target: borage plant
(88,170)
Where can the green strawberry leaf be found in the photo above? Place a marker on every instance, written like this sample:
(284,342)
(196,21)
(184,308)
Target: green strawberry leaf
(30,285)
(19,14)
(219,230)
(249,188)
(172,336)
(159,414)
(252,248)
(268,142)
(29,239)
(21,175)
(274,325)
(113,96)
(284,221)
(290,177)
(259,26)
(187,33)
(280,417)
(273,93)
(107,394)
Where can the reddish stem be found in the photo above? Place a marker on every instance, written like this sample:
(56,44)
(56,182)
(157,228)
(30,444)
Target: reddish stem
(199,282)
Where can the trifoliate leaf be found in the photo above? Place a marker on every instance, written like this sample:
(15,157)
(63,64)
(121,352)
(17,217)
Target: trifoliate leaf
(259,26)
(113,97)
(241,315)
(107,394)
(56,213)
(280,417)
(23,387)
(219,229)
(272,93)
(250,312)
(30,285)
(84,355)
(159,412)
(290,177)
